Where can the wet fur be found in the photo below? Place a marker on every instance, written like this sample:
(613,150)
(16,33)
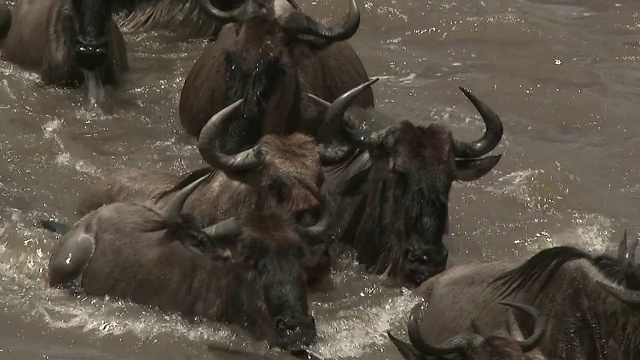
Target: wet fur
(584,322)
(251,48)
(48,26)
(225,195)
(147,262)
(385,192)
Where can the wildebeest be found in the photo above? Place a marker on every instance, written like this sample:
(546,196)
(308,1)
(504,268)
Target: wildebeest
(66,41)
(474,345)
(246,270)
(564,283)
(268,174)
(396,188)
(269,55)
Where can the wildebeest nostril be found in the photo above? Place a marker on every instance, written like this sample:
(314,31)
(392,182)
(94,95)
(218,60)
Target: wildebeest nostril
(286,327)
(90,53)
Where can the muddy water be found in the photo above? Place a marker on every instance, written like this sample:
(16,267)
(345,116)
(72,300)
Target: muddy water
(562,74)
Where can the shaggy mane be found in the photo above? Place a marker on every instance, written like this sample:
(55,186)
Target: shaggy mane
(548,262)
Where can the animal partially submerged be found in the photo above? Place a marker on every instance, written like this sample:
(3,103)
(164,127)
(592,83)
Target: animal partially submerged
(269,55)
(565,284)
(271,174)
(475,346)
(396,188)
(247,270)
(66,41)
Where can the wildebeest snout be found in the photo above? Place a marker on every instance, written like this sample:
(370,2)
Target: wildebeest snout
(91,53)
(295,333)
(421,263)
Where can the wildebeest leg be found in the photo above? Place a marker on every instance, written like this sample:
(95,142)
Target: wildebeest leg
(70,257)
(5,20)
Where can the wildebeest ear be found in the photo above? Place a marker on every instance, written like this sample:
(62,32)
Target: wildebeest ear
(473,169)
(406,350)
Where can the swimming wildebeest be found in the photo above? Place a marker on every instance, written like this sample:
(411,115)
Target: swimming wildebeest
(266,175)
(474,345)
(66,41)
(269,56)
(564,283)
(246,270)
(396,188)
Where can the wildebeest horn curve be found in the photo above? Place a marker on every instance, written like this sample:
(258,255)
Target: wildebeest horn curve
(456,344)
(207,145)
(491,137)
(514,329)
(336,115)
(309,26)
(313,234)
(174,207)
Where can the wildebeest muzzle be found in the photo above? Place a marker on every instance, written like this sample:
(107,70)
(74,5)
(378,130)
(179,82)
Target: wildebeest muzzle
(91,53)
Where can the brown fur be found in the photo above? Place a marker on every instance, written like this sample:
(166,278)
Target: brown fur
(326,72)
(274,184)
(584,321)
(41,40)
(398,200)
(139,256)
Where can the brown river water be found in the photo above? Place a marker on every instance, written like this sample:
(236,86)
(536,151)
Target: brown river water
(562,74)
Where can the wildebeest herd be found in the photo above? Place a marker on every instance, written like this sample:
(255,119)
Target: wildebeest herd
(272,103)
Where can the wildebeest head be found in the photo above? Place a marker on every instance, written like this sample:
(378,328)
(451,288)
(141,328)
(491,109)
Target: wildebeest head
(407,180)
(270,252)
(262,61)
(91,45)
(473,345)
(277,165)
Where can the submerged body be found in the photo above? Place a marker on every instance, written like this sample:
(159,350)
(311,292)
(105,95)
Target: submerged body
(265,60)
(584,320)
(396,189)
(246,270)
(68,41)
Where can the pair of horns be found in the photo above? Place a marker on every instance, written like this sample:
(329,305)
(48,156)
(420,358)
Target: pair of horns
(465,342)
(295,21)
(376,139)
(231,226)
(253,157)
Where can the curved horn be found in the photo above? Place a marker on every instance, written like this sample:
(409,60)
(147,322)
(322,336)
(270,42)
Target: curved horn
(629,297)
(491,137)
(174,207)
(456,344)
(308,26)
(207,145)
(514,328)
(336,114)
(335,154)
(627,255)
(224,228)
(313,234)
(248,9)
